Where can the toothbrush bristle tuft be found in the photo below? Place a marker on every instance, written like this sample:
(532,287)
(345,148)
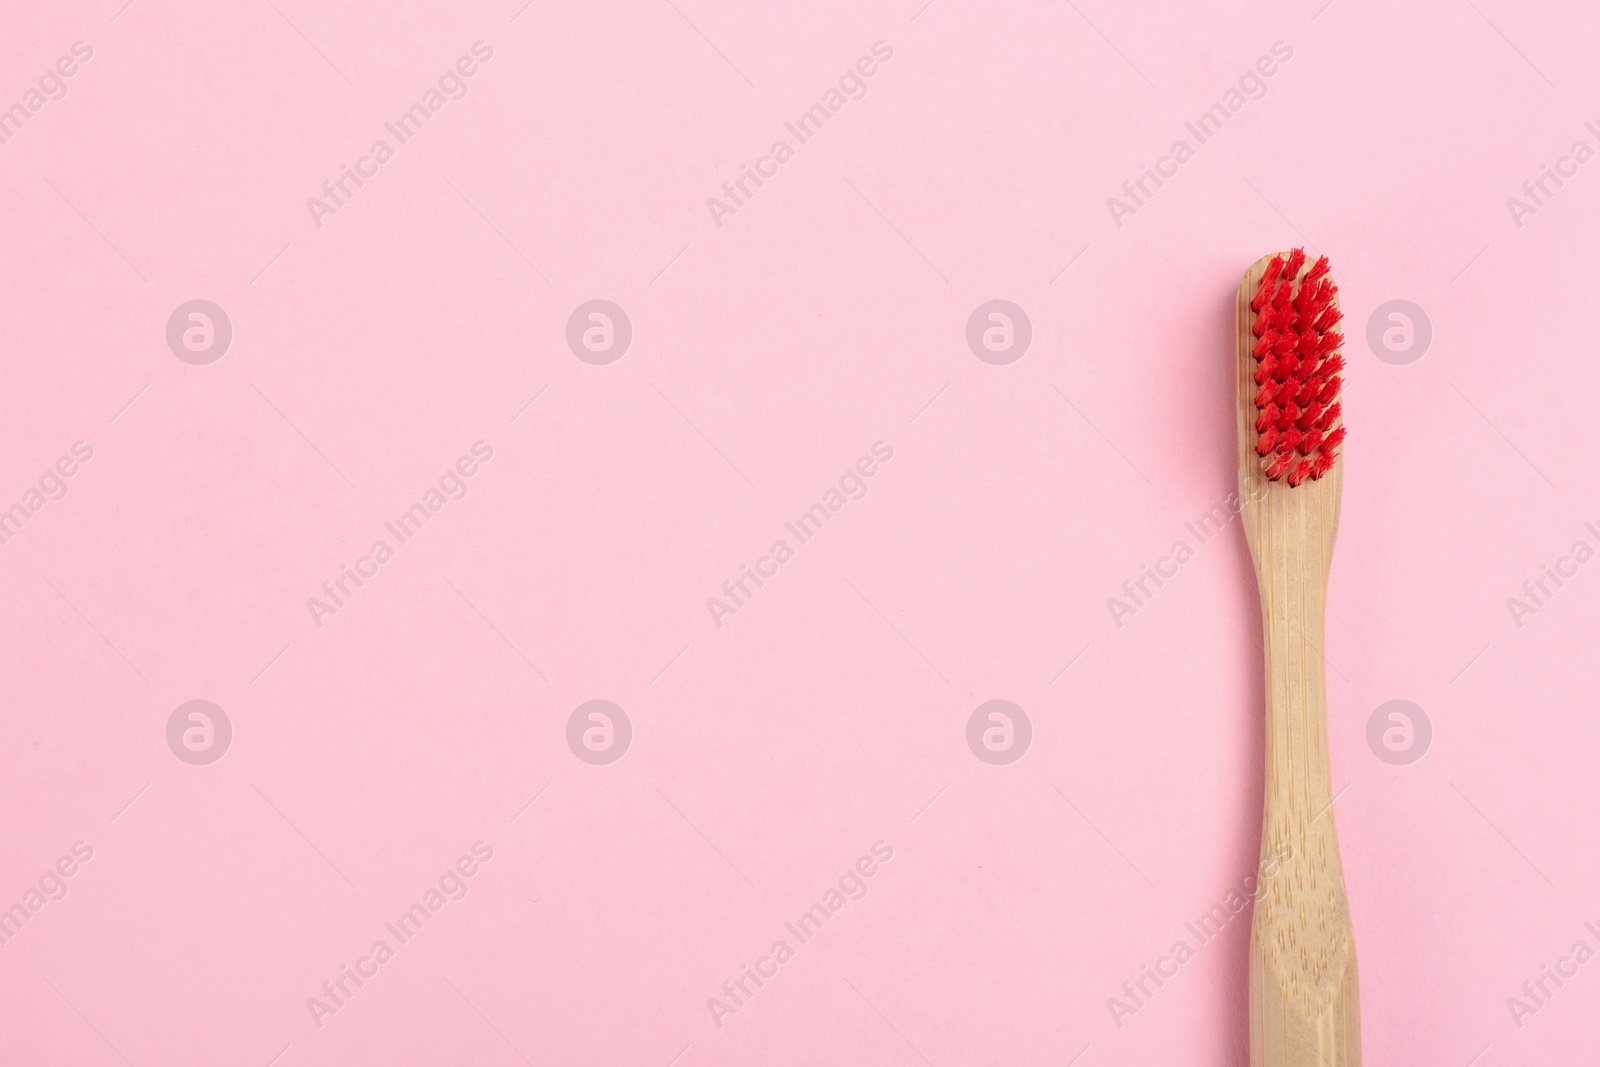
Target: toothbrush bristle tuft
(1298,368)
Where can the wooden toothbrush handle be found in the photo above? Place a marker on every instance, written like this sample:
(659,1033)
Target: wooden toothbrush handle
(1304,999)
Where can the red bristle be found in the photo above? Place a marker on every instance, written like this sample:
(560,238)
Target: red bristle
(1298,369)
(1313,295)
(1306,318)
(1267,281)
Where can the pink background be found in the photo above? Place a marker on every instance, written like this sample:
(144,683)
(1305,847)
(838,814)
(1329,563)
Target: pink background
(768,354)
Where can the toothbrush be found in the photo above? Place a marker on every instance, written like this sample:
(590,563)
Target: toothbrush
(1304,1001)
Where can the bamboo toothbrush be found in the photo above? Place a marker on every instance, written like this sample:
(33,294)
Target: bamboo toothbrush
(1304,1003)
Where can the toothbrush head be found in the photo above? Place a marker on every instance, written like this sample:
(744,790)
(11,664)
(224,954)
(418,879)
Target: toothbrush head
(1297,369)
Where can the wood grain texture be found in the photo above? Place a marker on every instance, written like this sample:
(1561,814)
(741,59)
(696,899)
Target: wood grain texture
(1304,999)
